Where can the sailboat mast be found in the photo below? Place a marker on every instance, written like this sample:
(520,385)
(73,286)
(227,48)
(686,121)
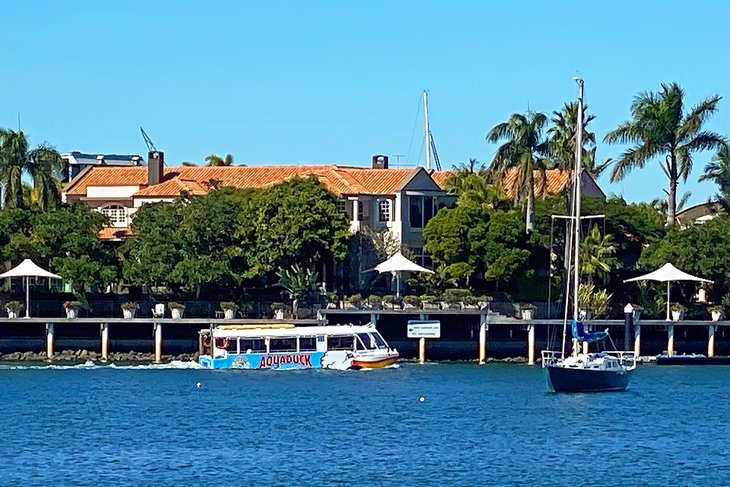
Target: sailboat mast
(427,130)
(576,181)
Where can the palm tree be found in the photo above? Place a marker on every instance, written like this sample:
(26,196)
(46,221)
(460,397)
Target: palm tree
(214,160)
(660,127)
(469,182)
(718,171)
(562,137)
(524,151)
(42,164)
(597,254)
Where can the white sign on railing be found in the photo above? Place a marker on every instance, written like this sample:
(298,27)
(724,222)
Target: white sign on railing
(424,329)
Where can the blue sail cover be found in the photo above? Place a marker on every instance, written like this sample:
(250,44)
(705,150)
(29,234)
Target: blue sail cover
(580,333)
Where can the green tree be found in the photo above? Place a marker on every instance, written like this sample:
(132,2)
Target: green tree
(524,151)
(68,239)
(152,251)
(597,253)
(718,171)
(299,283)
(41,164)
(214,160)
(296,222)
(659,127)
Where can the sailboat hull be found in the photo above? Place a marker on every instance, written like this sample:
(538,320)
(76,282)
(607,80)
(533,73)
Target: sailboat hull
(570,379)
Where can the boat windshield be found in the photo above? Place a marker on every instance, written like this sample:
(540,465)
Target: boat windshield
(367,341)
(379,340)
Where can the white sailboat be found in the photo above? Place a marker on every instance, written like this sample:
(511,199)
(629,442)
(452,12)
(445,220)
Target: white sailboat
(581,371)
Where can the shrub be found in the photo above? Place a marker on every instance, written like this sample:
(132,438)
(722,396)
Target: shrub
(429,298)
(456,295)
(73,305)
(175,305)
(14,306)
(130,305)
(677,307)
(355,299)
(411,300)
(527,307)
(228,305)
(374,300)
(277,306)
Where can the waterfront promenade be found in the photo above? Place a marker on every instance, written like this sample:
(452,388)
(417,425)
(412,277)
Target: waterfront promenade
(465,334)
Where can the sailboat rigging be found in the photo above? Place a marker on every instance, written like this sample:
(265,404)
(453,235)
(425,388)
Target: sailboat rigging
(583,371)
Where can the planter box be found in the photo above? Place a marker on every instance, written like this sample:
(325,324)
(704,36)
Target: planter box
(716,315)
(12,314)
(527,314)
(72,314)
(229,314)
(177,313)
(433,306)
(129,313)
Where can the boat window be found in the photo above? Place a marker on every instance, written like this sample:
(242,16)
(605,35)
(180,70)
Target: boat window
(340,342)
(307,344)
(253,345)
(283,345)
(366,341)
(379,340)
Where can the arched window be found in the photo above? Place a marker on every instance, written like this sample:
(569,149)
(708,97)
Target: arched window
(384,210)
(117,214)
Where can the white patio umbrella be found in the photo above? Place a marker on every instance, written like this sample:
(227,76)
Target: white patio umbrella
(28,269)
(399,263)
(667,273)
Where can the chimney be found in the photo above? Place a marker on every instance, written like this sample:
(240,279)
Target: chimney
(155,167)
(380,162)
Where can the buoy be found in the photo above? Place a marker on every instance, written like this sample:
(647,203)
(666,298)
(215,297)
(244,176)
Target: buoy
(421,398)
(197,385)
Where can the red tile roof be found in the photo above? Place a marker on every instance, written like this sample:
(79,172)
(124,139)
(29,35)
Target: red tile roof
(341,180)
(114,233)
(556,182)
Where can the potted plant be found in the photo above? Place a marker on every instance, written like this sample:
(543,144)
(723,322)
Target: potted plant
(354,301)
(129,309)
(677,311)
(411,302)
(229,309)
(390,302)
(333,300)
(72,309)
(278,309)
(716,312)
(455,298)
(13,308)
(375,302)
(483,301)
(429,301)
(528,311)
(176,310)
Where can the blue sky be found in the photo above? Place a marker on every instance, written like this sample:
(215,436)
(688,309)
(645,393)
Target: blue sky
(337,81)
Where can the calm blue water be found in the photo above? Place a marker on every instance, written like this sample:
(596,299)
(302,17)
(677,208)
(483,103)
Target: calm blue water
(491,425)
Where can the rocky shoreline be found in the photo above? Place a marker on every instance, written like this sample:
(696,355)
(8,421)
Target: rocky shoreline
(82,356)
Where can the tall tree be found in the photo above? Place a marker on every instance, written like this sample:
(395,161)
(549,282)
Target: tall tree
(659,127)
(718,171)
(524,151)
(562,135)
(41,164)
(214,160)
(597,254)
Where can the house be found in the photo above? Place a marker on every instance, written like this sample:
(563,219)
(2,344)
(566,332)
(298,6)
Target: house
(399,201)
(701,213)
(75,162)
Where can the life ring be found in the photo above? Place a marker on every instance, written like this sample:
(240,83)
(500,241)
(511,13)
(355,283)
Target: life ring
(221,343)
(206,340)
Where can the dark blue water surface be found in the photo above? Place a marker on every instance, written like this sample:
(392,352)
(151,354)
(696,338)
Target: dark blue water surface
(490,425)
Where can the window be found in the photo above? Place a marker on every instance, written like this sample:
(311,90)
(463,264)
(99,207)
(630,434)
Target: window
(257,345)
(307,344)
(340,342)
(366,340)
(420,210)
(384,210)
(282,345)
(360,210)
(116,213)
(342,206)
(421,257)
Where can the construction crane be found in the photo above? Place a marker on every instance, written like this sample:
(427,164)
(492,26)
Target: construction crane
(150,146)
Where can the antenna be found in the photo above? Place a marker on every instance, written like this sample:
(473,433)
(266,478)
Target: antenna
(397,159)
(150,146)
(18,120)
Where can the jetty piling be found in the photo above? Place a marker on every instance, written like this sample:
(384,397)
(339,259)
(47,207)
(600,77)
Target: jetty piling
(483,327)
(158,341)
(711,340)
(670,340)
(49,340)
(104,331)
(637,340)
(531,344)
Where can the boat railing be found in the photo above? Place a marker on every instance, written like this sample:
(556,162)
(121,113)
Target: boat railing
(550,357)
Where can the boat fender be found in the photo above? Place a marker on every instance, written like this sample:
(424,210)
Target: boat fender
(206,340)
